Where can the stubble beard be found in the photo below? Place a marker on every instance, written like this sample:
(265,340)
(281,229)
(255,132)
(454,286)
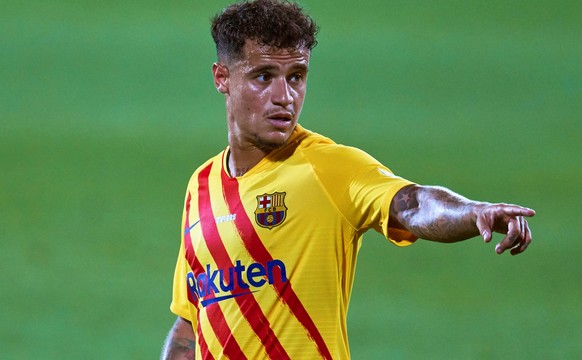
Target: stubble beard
(268,146)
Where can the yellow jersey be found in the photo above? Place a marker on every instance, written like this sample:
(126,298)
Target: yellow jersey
(267,260)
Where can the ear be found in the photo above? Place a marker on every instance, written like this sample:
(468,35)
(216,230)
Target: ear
(220,74)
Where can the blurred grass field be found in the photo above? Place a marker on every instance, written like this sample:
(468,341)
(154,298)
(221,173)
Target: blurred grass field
(107,108)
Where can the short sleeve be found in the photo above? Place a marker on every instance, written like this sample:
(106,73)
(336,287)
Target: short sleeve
(363,190)
(371,191)
(181,305)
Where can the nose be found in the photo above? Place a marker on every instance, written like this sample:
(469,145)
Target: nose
(282,93)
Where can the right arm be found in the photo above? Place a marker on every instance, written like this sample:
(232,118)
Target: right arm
(181,342)
(438,214)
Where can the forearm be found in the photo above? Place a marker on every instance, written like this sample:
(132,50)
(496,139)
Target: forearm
(437,214)
(180,343)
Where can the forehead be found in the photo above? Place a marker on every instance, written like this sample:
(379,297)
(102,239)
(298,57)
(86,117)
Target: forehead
(254,55)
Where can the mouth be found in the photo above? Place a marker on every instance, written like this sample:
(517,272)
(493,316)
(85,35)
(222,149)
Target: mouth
(280,116)
(280,119)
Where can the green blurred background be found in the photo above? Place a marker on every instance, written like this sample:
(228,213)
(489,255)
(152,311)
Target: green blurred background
(107,107)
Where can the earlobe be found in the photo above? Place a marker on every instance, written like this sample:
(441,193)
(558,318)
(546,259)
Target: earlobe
(220,74)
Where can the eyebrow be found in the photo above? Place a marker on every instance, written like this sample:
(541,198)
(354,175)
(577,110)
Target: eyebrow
(262,68)
(268,67)
(300,66)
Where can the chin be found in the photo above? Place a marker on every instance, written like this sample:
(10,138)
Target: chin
(273,142)
(269,146)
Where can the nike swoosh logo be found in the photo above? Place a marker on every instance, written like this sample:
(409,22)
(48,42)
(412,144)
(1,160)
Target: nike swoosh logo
(191,227)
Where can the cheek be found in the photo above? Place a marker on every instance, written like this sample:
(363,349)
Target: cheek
(254,101)
(244,102)
(299,94)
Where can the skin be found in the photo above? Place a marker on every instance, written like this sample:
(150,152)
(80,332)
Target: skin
(438,214)
(181,342)
(264,92)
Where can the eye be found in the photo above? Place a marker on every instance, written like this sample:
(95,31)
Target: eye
(297,77)
(264,77)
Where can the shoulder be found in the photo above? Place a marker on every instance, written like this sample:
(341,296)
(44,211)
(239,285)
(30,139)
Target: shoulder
(323,151)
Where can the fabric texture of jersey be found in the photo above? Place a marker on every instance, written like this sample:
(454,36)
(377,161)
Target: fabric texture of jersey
(267,260)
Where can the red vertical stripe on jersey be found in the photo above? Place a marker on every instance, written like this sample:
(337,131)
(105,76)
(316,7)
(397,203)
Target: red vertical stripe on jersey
(260,253)
(247,304)
(204,351)
(218,323)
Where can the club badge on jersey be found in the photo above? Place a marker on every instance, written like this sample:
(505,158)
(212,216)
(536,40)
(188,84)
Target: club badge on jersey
(271,210)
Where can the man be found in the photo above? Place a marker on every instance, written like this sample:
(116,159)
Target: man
(272,225)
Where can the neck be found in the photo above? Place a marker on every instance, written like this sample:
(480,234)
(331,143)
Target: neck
(241,161)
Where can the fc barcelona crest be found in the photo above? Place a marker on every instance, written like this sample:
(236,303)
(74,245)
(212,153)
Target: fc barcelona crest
(271,210)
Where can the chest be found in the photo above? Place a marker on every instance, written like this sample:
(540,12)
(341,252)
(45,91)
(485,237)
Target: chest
(278,214)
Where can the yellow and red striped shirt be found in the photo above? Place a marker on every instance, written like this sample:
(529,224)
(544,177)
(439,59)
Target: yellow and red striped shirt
(266,264)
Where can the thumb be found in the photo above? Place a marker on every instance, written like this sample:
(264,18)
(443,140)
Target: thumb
(485,229)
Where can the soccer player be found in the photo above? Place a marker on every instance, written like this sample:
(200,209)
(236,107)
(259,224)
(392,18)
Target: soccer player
(273,223)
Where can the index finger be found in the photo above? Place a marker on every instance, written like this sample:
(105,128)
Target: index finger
(515,210)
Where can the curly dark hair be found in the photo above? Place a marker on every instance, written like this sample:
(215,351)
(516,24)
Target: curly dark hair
(272,23)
